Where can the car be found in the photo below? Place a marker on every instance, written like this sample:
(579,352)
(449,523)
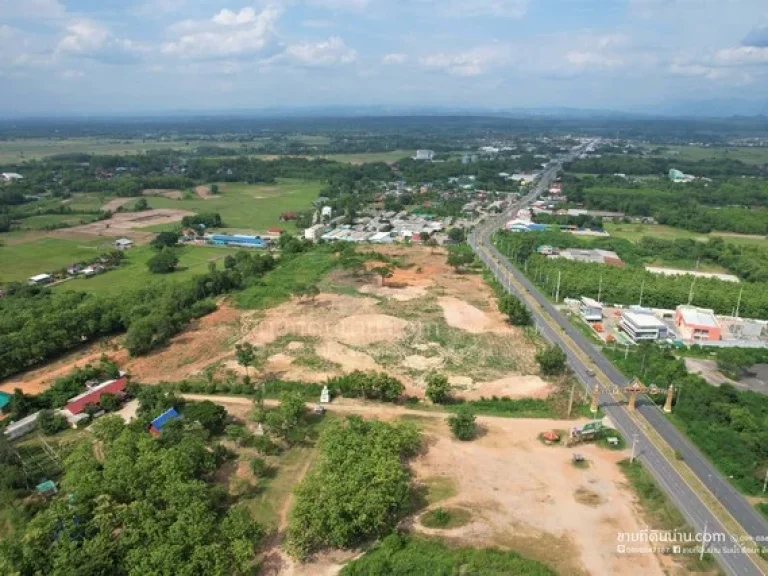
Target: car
(590,373)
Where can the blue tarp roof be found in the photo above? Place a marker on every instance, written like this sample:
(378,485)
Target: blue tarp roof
(160,421)
(5,399)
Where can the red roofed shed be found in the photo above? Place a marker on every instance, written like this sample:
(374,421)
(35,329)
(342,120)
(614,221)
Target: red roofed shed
(78,403)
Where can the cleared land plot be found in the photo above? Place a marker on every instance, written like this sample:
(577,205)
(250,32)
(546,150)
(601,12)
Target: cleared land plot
(133,273)
(388,157)
(250,207)
(748,155)
(19,261)
(634,232)
(126,222)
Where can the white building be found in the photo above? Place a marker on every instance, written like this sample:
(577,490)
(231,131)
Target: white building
(642,326)
(314,233)
(123,243)
(591,310)
(424,155)
(40,280)
(11,176)
(22,427)
(326,212)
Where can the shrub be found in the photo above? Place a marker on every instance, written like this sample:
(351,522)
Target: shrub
(463,425)
(438,388)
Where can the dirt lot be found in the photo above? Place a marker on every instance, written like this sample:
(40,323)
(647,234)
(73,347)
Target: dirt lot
(125,223)
(204,192)
(426,318)
(113,205)
(172,194)
(529,497)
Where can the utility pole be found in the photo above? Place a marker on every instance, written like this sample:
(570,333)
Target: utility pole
(634,444)
(570,406)
(738,302)
(557,293)
(642,287)
(600,289)
(690,294)
(704,540)
(765,484)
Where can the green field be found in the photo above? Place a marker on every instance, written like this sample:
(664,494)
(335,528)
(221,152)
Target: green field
(249,207)
(193,260)
(694,153)
(387,157)
(19,261)
(634,232)
(49,221)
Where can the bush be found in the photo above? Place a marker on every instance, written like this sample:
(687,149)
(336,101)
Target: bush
(164,262)
(259,467)
(109,402)
(552,360)
(210,416)
(51,423)
(516,311)
(462,424)
(368,385)
(438,388)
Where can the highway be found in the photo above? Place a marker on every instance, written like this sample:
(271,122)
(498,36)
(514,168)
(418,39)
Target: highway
(556,328)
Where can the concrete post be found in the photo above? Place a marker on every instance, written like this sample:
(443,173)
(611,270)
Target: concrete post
(595,398)
(632,400)
(668,403)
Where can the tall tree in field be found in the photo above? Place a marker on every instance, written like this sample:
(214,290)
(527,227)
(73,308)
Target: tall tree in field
(385,272)
(246,356)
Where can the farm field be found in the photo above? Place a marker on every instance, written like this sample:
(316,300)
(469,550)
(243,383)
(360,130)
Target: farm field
(47,221)
(634,232)
(388,157)
(133,273)
(748,155)
(20,259)
(249,207)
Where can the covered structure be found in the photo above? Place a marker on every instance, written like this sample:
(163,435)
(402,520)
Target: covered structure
(697,324)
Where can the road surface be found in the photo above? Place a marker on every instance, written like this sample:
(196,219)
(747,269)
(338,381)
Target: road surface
(556,328)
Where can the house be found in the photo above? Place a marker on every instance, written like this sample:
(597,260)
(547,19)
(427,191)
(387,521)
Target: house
(40,280)
(314,233)
(11,176)
(239,240)
(5,399)
(21,427)
(642,326)
(156,426)
(697,324)
(424,155)
(326,212)
(46,488)
(591,310)
(77,404)
(123,243)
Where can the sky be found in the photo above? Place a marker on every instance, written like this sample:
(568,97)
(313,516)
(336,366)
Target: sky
(137,56)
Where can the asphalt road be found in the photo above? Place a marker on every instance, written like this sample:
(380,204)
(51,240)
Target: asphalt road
(681,494)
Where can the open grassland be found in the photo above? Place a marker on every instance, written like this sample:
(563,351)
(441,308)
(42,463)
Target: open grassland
(134,273)
(51,221)
(249,207)
(634,232)
(748,155)
(388,157)
(19,261)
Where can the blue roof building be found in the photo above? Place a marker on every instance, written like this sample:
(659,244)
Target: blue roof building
(240,240)
(157,424)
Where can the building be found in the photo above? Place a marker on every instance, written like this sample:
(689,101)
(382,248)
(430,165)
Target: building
(697,324)
(326,212)
(11,176)
(156,426)
(591,256)
(643,326)
(314,233)
(123,243)
(424,155)
(40,280)
(591,310)
(239,240)
(677,176)
(21,427)
(5,399)
(77,404)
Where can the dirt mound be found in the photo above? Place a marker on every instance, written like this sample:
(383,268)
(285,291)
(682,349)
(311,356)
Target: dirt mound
(172,194)
(113,205)
(349,359)
(125,222)
(462,315)
(423,363)
(204,192)
(366,329)
(400,294)
(515,386)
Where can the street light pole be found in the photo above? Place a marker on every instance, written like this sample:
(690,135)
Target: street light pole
(704,540)
(634,443)
(765,484)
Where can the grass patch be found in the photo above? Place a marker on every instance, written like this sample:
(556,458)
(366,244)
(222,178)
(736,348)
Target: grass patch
(587,497)
(605,433)
(660,513)
(279,285)
(19,261)
(446,518)
(133,273)
(400,554)
(439,488)
(634,232)
(248,207)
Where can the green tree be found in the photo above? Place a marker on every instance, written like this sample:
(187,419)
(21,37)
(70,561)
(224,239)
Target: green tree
(108,428)
(438,388)
(246,356)
(214,188)
(552,360)
(517,312)
(141,205)
(211,416)
(163,262)
(460,259)
(51,423)
(456,235)
(462,424)
(385,272)
(165,240)
(109,402)
(312,292)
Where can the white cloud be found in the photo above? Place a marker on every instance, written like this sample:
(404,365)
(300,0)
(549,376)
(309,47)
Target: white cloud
(592,59)
(354,5)
(90,39)
(501,8)
(72,74)
(317,23)
(157,8)
(33,9)
(473,62)
(330,52)
(742,56)
(395,58)
(228,34)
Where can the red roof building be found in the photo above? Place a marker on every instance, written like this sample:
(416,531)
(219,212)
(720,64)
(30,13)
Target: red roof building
(77,404)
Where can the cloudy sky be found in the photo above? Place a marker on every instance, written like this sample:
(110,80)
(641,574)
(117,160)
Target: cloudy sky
(104,56)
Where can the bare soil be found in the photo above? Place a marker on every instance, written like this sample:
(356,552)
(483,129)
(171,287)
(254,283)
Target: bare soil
(172,194)
(204,192)
(126,223)
(113,205)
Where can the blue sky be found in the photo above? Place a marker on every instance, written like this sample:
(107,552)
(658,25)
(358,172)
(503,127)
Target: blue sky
(132,56)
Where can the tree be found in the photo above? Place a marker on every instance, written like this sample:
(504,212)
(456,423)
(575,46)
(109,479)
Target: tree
(287,420)
(163,262)
(214,188)
(312,292)
(246,356)
(385,272)
(210,416)
(165,240)
(516,311)
(141,204)
(462,424)
(108,428)
(456,235)
(552,360)
(109,402)
(51,423)
(459,259)
(424,236)
(438,388)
